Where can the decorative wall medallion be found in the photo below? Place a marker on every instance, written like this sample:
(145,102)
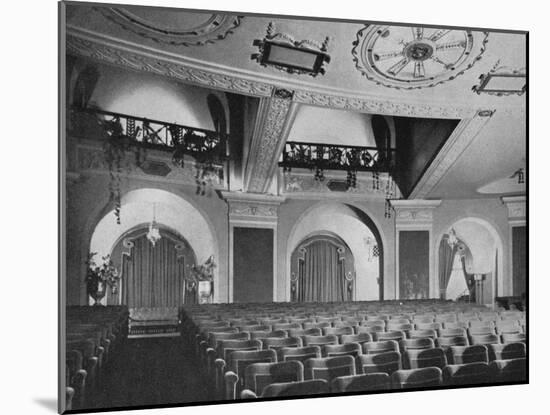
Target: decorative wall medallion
(281,51)
(415,57)
(501,81)
(185,31)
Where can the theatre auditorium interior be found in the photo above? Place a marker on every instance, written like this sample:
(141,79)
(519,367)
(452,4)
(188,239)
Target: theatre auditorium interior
(260,206)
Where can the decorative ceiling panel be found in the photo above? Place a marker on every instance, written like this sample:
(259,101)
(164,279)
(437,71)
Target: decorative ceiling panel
(415,57)
(175,28)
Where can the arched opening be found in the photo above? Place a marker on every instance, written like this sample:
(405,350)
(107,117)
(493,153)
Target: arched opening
(175,216)
(455,283)
(358,231)
(152,274)
(322,270)
(482,258)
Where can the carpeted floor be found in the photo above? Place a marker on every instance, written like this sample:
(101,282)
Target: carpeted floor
(153,371)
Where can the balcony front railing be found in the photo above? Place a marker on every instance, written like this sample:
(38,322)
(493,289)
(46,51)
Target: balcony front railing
(180,139)
(337,157)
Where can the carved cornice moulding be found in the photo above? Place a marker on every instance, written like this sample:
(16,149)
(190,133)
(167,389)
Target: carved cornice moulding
(137,57)
(456,144)
(161,64)
(517,207)
(412,212)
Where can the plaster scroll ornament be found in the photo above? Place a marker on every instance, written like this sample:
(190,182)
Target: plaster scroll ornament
(417,57)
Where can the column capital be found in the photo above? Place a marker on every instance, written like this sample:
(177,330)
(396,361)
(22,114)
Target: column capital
(517,207)
(252,207)
(414,212)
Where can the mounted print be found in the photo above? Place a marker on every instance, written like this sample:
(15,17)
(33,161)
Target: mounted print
(260,206)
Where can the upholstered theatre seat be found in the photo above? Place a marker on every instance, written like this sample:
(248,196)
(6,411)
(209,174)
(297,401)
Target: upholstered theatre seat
(416,378)
(361,383)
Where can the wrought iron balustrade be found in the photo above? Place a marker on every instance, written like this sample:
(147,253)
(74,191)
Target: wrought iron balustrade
(179,139)
(337,157)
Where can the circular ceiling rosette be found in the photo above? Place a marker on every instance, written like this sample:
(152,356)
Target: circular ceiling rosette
(173,27)
(416,57)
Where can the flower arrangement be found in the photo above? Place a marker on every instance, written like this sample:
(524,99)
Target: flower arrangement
(98,277)
(205,271)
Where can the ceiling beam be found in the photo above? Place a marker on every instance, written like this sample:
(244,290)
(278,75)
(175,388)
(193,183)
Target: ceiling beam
(273,122)
(462,136)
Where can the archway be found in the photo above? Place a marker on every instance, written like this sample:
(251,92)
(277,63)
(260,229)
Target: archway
(486,249)
(322,270)
(356,228)
(172,212)
(152,275)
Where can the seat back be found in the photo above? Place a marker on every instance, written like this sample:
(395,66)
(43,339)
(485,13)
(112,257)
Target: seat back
(469,354)
(421,343)
(510,370)
(380,347)
(286,326)
(455,325)
(423,334)
(226,347)
(513,338)
(328,368)
(277,343)
(215,338)
(260,335)
(238,360)
(304,332)
(254,327)
(417,359)
(507,351)
(484,339)
(259,375)
(446,342)
(337,331)
(369,329)
(349,349)
(316,325)
(387,362)
(361,383)
(299,353)
(466,374)
(356,338)
(416,378)
(389,335)
(320,340)
(305,388)
(452,332)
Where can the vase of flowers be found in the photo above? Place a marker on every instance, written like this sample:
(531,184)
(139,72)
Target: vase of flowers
(101,276)
(201,279)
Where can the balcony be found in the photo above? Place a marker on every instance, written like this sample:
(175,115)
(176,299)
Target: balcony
(337,157)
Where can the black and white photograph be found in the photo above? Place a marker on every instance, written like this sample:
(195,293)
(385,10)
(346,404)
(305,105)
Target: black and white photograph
(263,207)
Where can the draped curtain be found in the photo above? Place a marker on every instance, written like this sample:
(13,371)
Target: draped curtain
(152,276)
(446,258)
(468,277)
(321,273)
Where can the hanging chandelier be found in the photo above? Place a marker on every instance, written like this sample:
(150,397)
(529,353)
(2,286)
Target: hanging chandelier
(154,233)
(452,240)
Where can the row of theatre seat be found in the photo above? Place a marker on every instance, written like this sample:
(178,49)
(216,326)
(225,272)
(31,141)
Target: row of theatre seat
(93,335)
(283,350)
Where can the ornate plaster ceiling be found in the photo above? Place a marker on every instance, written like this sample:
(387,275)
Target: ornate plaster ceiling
(404,57)
(165,26)
(191,48)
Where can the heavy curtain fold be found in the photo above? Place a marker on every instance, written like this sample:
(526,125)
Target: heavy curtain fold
(321,274)
(446,258)
(153,276)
